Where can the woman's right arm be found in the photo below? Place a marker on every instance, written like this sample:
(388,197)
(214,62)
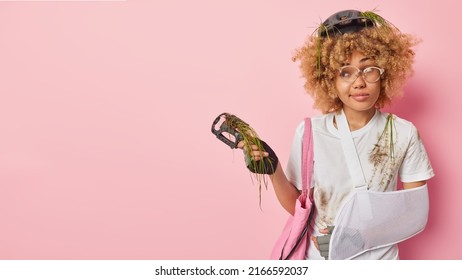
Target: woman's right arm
(286,193)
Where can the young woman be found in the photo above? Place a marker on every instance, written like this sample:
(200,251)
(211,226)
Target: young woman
(354,64)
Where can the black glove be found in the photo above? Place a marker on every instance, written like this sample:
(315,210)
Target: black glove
(324,241)
(266,165)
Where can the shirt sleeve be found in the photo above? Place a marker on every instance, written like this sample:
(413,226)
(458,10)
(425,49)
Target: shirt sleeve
(294,164)
(416,165)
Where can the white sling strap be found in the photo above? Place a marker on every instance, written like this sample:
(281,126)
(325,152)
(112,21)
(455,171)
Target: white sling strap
(349,149)
(354,166)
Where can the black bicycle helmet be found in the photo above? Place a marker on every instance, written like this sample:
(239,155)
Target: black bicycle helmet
(348,21)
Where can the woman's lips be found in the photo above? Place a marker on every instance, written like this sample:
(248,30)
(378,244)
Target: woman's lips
(360,97)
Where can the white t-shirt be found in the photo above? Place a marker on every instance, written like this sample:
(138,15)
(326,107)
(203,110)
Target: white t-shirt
(331,178)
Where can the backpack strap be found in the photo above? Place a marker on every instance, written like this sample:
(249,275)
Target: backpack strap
(307,157)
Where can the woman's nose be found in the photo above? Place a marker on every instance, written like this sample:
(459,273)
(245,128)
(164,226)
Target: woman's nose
(359,82)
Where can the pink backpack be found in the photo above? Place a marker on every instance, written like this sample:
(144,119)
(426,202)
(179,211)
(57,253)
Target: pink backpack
(293,242)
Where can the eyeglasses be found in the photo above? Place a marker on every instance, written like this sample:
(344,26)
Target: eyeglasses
(351,73)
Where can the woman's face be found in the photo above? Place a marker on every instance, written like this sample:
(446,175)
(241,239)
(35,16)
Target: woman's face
(359,95)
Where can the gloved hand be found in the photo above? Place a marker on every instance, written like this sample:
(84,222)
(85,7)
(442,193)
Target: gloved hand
(268,156)
(323,241)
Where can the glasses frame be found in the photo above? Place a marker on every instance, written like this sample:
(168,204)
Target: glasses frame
(361,72)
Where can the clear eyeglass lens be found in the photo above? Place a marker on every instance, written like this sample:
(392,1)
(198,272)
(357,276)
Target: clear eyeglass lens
(351,73)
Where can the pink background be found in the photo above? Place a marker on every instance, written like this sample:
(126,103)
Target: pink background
(105,114)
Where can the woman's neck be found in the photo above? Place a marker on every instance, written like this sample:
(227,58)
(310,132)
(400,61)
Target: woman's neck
(358,119)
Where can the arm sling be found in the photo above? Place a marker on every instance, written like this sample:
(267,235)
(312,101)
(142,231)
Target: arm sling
(368,219)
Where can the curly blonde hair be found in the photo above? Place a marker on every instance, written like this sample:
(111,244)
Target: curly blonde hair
(321,57)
